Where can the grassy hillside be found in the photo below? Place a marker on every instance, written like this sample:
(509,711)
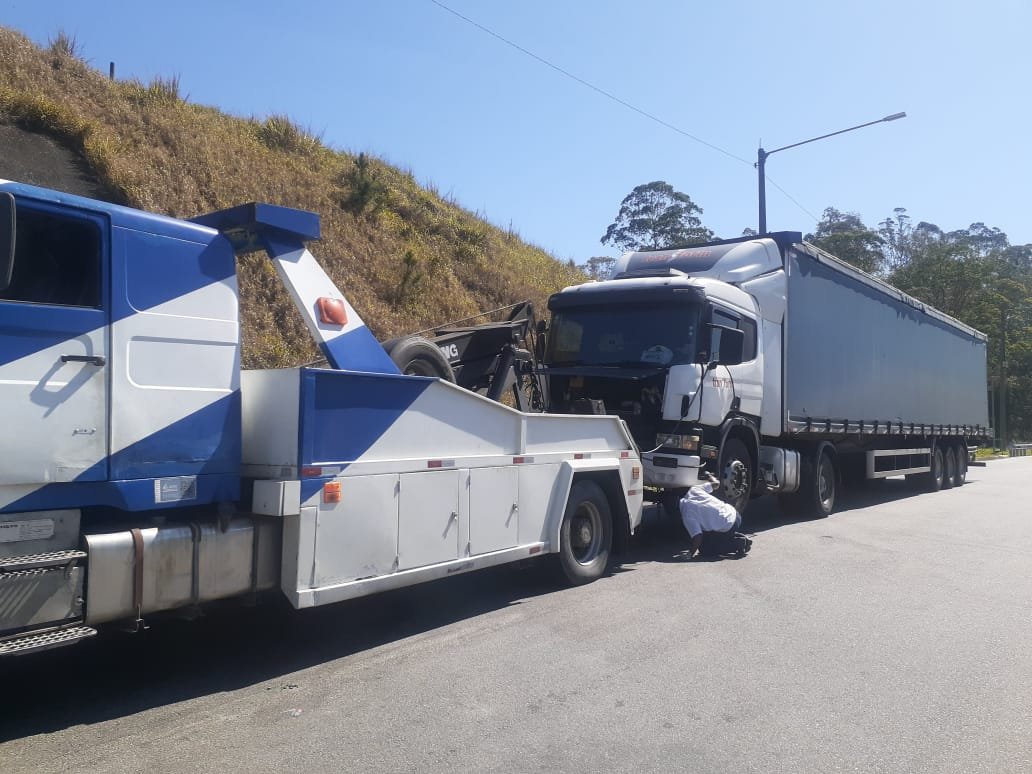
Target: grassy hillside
(406,258)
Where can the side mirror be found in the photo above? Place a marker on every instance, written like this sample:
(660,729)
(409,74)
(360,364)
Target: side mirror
(7,239)
(726,346)
(732,343)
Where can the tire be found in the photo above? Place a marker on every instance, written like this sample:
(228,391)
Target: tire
(416,356)
(932,480)
(735,474)
(818,485)
(960,476)
(586,534)
(949,467)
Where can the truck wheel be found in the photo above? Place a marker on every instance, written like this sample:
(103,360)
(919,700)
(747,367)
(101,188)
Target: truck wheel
(949,467)
(416,356)
(960,475)
(735,474)
(932,480)
(586,534)
(817,487)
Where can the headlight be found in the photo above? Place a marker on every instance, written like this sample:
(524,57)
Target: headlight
(677,441)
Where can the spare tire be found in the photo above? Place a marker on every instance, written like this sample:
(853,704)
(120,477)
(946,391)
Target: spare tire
(416,356)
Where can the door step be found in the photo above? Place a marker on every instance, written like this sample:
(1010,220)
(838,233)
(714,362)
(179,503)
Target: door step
(33,561)
(33,642)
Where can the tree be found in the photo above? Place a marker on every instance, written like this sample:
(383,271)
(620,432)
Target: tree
(977,276)
(599,267)
(845,236)
(655,217)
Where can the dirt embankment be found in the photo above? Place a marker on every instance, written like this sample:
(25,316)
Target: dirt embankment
(28,157)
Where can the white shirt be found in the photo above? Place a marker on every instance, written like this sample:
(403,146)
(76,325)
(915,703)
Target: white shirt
(702,512)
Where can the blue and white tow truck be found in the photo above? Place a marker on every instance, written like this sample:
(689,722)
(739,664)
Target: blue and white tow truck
(142,471)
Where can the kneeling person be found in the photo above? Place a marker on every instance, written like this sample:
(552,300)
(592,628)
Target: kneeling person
(712,524)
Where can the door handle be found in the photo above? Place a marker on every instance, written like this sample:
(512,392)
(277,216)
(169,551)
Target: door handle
(97,360)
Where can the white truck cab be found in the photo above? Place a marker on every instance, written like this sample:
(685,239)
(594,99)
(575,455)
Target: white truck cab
(675,344)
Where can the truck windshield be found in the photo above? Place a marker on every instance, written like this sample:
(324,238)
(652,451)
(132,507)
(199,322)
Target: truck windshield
(645,335)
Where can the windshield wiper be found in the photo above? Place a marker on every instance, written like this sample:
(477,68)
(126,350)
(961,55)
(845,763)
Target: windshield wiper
(637,364)
(608,364)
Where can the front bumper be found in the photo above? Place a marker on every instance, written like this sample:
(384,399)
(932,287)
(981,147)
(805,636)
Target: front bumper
(668,470)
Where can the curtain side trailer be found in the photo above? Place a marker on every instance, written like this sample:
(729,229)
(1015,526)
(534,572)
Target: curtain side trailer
(773,365)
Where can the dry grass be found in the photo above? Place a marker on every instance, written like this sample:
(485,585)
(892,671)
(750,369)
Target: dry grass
(407,258)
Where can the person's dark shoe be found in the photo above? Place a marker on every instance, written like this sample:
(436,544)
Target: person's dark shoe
(742,544)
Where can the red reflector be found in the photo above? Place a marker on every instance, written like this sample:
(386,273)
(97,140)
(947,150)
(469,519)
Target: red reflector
(632,492)
(518,460)
(434,463)
(535,549)
(309,472)
(625,455)
(331,492)
(332,311)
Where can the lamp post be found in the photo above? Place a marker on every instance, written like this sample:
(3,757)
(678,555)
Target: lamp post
(761,161)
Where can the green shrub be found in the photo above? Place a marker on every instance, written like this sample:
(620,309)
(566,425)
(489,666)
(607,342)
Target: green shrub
(280,133)
(410,280)
(365,192)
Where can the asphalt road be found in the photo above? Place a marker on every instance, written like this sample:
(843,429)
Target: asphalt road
(895,636)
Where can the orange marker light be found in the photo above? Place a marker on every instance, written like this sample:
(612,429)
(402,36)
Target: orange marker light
(332,311)
(331,492)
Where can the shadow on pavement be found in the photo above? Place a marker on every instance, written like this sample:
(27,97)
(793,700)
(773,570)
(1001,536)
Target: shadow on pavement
(115,675)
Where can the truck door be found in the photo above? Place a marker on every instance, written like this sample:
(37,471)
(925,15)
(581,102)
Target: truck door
(748,375)
(53,349)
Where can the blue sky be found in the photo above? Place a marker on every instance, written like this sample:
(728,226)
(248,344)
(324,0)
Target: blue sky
(517,142)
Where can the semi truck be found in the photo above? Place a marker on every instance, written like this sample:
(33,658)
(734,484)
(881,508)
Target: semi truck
(773,365)
(143,471)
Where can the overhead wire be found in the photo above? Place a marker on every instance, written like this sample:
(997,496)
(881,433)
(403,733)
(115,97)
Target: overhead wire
(791,198)
(614,98)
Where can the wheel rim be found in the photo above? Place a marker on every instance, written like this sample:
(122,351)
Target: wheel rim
(735,479)
(825,484)
(586,533)
(420,368)
(937,467)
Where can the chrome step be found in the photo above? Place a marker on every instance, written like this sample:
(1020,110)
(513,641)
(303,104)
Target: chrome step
(33,642)
(32,561)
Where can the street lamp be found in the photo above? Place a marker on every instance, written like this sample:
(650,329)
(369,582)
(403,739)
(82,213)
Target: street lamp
(761,160)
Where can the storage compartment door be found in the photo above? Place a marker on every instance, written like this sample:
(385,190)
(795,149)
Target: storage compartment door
(428,523)
(358,536)
(493,509)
